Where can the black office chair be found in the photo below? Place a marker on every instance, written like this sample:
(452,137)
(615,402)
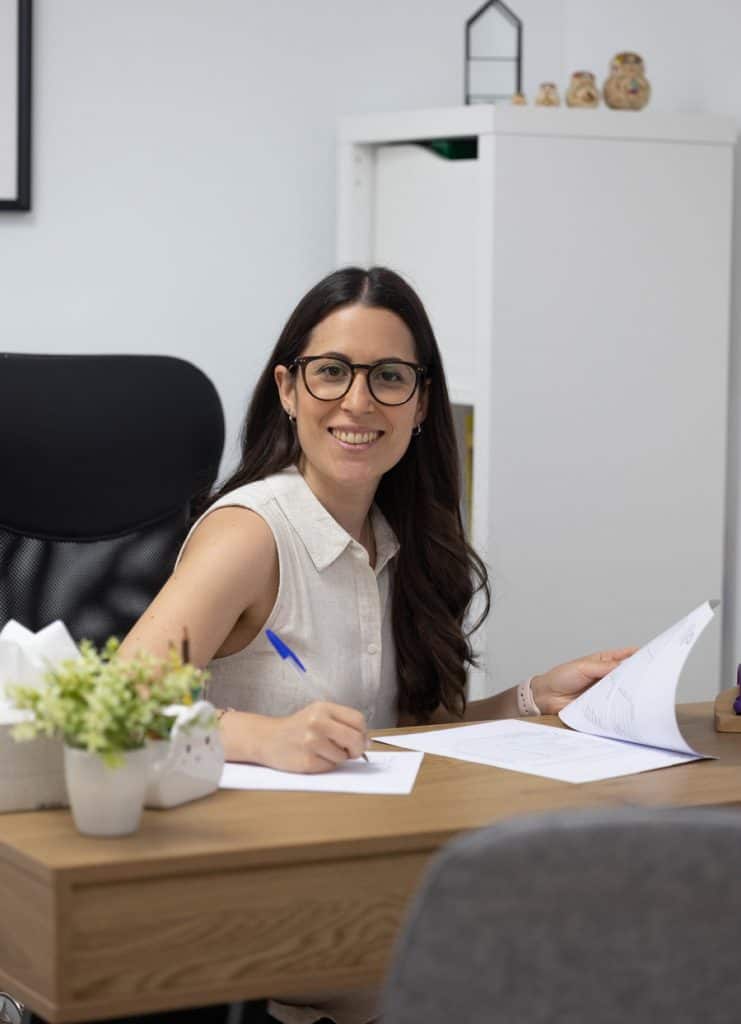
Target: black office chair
(100,462)
(597,917)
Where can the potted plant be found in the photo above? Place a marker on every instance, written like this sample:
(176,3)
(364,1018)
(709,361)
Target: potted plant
(107,710)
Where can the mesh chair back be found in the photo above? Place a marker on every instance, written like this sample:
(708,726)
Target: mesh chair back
(100,461)
(577,918)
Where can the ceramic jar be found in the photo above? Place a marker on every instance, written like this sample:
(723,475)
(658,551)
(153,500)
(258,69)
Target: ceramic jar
(547,95)
(582,90)
(627,87)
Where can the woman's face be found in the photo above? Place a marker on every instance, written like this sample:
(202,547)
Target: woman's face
(353,440)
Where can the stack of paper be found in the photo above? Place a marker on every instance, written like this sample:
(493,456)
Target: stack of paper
(626,722)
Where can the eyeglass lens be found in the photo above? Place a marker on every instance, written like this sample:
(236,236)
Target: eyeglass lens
(389,383)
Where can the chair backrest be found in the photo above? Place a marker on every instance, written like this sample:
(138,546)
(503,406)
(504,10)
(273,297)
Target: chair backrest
(602,917)
(100,460)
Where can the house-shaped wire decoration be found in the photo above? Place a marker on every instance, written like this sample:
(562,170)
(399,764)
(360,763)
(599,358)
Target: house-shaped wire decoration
(493,64)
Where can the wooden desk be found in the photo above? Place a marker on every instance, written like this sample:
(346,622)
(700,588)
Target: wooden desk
(246,895)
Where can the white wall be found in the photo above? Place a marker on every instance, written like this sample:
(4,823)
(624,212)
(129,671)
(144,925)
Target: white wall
(183,191)
(184,166)
(691,53)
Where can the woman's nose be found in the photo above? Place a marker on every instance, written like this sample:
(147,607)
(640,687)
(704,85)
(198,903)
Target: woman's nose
(358,398)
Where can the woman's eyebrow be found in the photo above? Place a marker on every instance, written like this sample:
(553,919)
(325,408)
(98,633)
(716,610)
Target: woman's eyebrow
(347,359)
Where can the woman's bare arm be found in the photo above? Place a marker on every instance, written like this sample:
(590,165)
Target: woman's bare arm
(228,572)
(552,690)
(228,562)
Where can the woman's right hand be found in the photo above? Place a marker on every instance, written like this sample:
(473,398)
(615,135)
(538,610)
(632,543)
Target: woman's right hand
(314,739)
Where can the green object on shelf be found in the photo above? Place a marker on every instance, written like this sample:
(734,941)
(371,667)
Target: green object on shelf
(466,148)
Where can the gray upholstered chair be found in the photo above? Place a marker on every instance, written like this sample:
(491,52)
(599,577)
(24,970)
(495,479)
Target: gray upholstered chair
(604,917)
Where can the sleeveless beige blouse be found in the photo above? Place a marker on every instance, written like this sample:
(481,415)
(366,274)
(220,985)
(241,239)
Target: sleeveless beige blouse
(332,610)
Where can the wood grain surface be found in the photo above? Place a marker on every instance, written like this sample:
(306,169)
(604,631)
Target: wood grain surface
(726,719)
(249,894)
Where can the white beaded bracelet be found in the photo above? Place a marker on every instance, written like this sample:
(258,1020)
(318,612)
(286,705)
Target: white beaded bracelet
(526,706)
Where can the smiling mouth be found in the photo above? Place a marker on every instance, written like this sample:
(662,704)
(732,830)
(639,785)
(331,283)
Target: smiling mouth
(359,437)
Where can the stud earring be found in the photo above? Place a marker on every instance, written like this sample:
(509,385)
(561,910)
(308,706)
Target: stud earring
(416,431)
(291,417)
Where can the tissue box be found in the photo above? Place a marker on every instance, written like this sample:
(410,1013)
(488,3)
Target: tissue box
(31,773)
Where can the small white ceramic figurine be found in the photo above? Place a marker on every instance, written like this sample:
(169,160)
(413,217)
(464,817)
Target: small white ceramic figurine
(193,758)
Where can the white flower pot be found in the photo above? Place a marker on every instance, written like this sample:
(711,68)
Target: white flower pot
(106,801)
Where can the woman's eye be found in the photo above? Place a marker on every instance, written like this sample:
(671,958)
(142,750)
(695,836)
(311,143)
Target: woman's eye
(389,375)
(331,370)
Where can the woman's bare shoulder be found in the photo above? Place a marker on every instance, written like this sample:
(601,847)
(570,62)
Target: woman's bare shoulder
(232,539)
(229,562)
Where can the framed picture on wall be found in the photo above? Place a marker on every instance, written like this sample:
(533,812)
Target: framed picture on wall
(15,104)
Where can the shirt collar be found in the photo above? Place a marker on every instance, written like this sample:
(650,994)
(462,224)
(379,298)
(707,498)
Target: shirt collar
(386,543)
(321,534)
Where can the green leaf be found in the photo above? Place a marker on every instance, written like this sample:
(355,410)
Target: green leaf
(106,704)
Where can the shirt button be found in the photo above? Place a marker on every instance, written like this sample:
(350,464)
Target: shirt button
(372,648)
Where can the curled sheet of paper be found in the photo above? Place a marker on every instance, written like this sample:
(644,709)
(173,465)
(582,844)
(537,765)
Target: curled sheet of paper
(636,701)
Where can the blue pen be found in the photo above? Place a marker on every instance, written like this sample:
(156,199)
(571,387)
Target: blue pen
(287,655)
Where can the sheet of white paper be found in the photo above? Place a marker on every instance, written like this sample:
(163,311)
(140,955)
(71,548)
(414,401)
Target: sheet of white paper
(637,700)
(626,722)
(384,773)
(539,750)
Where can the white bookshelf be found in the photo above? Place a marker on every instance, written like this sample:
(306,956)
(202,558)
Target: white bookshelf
(577,277)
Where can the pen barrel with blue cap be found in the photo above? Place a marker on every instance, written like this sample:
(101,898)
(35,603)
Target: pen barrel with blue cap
(287,655)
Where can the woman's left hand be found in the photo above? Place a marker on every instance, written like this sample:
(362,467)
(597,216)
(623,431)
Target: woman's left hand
(556,688)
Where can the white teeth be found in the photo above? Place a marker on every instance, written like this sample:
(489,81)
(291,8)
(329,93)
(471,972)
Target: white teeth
(348,438)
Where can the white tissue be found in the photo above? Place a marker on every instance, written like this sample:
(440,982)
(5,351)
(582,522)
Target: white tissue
(32,772)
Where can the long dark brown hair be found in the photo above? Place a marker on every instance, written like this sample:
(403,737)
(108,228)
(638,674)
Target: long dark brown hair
(437,573)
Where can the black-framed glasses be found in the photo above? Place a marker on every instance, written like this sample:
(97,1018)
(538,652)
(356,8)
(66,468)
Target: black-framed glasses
(390,381)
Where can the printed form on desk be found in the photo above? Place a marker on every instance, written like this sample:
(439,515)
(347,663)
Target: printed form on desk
(625,723)
(389,773)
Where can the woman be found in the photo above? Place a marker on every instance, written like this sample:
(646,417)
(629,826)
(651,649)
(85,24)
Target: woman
(341,531)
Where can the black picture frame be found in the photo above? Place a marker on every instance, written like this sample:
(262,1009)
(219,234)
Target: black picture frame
(18,110)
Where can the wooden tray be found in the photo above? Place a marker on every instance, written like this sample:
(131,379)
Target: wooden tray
(726,719)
